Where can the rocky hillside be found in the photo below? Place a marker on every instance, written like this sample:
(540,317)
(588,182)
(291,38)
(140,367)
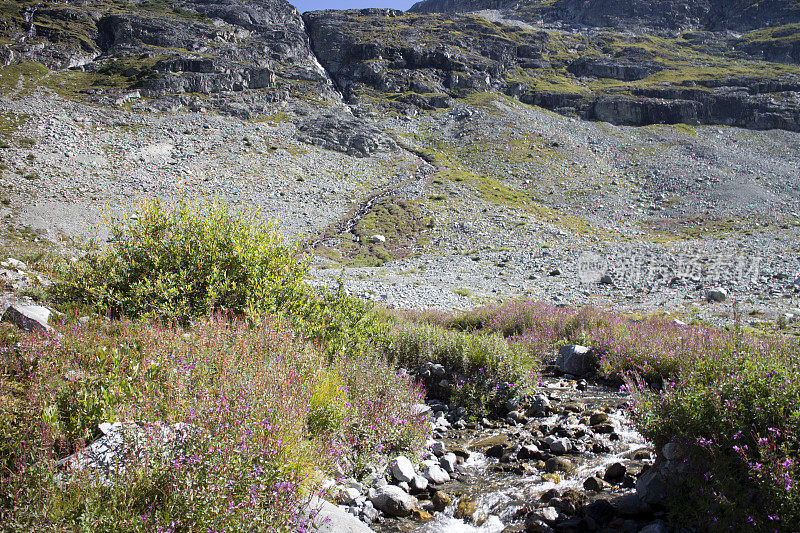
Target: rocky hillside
(492,141)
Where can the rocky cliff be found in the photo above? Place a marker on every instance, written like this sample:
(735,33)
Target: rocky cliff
(240,57)
(663,15)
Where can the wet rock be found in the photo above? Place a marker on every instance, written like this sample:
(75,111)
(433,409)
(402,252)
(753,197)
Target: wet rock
(548,514)
(441,500)
(560,446)
(487,442)
(615,472)
(438,449)
(655,527)
(402,469)
(448,462)
(540,406)
(528,452)
(549,495)
(435,474)
(495,451)
(594,484)
(642,455)
(576,360)
(465,509)
(603,429)
(534,524)
(601,511)
(392,500)
(597,418)
(558,464)
(418,484)
(517,417)
(574,407)
(418,515)
(32,318)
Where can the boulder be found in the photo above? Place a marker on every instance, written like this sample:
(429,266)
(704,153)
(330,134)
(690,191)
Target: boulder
(402,469)
(717,295)
(392,500)
(615,472)
(441,500)
(576,360)
(435,474)
(33,318)
(651,487)
(324,517)
(594,484)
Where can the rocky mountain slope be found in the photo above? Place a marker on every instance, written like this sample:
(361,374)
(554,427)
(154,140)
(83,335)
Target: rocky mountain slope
(449,156)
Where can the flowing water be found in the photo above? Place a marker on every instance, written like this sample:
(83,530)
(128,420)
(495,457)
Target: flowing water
(503,498)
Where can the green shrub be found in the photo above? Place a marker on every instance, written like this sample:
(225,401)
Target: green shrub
(185,261)
(481,362)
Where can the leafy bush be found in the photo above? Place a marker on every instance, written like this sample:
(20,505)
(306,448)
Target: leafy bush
(187,261)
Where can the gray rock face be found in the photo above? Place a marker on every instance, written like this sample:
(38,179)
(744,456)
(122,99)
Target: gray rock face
(576,360)
(392,500)
(345,134)
(661,14)
(28,317)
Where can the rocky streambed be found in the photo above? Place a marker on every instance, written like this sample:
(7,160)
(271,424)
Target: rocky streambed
(566,458)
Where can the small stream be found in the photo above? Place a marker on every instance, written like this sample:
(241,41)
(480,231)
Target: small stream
(505,492)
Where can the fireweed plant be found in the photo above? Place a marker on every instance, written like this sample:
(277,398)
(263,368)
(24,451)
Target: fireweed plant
(730,398)
(208,323)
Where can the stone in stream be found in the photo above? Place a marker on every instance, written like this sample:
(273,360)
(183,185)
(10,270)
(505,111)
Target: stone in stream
(603,429)
(528,452)
(435,474)
(594,484)
(448,462)
(402,469)
(496,451)
(548,514)
(419,484)
(597,418)
(576,360)
(392,500)
(441,500)
(558,464)
(601,511)
(560,446)
(418,515)
(465,509)
(655,527)
(534,524)
(630,505)
(517,417)
(540,406)
(615,472)
(438,449)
